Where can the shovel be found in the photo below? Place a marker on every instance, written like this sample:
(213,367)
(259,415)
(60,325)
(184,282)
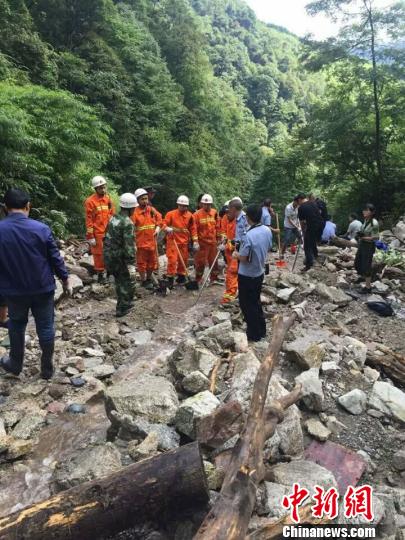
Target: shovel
(281,262)
(208,275)
(191,285)
(161,285)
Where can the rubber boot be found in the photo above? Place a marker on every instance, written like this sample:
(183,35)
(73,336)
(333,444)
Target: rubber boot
(101,279)
(46,360)
(14,362)
(180,279)
(170,282)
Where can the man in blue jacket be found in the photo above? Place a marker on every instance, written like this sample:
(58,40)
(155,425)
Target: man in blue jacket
(29,258)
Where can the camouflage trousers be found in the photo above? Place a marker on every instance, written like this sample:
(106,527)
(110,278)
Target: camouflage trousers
(125,289)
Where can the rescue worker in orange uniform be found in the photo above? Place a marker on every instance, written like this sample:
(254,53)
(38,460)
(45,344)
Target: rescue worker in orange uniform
(208,232)
(180,227)
(147,228)
(151,191)
(99,209)
(228,246)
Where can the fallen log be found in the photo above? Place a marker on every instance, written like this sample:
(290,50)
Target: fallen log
(158,488)
(391,362)
(229,517)
(274,529)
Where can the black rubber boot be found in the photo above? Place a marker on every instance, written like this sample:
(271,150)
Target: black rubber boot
(46,360)
(14,362)
(170,282)
(101,278)
(180,279)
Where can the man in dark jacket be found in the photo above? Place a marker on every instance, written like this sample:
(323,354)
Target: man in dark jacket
(29,259)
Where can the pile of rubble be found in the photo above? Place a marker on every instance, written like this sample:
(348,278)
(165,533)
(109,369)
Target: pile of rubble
(153,382)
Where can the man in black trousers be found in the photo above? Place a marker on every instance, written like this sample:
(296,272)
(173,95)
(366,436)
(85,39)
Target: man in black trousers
(252,256)
(312,225)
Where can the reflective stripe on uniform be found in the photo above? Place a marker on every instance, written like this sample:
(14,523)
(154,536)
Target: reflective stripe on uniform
(102,208)
(145,227)
(207,220)
(177,229)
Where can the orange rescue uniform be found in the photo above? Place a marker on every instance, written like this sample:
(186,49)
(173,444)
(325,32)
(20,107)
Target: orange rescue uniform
(145,221)
(99,211)
(208,231)
(184,229)
(231,279)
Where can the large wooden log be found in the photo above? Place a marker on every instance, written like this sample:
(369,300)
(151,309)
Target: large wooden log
(229,518)
(158,488)
(391,362)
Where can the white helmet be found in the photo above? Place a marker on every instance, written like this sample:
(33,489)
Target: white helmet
(236,199)
(128,200)
(98,181)
(206,199)
(139,192)
(182,199)
(227,203)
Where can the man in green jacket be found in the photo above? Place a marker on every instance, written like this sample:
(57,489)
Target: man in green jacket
(119,253)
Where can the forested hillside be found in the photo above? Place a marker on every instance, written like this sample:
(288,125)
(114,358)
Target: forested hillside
(189,95)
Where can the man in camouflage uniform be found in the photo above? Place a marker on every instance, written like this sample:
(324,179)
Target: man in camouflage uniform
(119,253)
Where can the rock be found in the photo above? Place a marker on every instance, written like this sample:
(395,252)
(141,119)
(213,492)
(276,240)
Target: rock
(375,414)
(77,382)
(18,448)
(56,391)
(378,511)
(371,374)
(246,366)
(334,295)
(270,500)
(139,428)
(317,430)
(56,407)
(220,317)
(147,448)
(329,367)
(354,401)
(188,358)
(195,382)
(285,295)
(75,282)
(355,350)
(76,408)
(241,342)
(91,463)
(100,372)
(215,476)
(27,426)
(380,288)
(217,428)
(398,460)
(3,432)
(153,398)
(312,389)
(330,267)
(288,439)
(220,335)
(141,337)
(192,409)
(306,473)
(58,291)
(10,418)
(371,466)
(341,283)
(94,352)
(305,352)
(388,399)
(85,364)
(334,425)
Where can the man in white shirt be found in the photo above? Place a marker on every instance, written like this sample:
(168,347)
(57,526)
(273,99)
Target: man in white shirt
(329,231)
(291,222)
(353,229)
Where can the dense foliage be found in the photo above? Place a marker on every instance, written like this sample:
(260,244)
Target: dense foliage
(190,96)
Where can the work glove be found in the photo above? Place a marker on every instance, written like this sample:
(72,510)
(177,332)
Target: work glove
(169,230)
(92,242)
(67,288)
(132,271)
(157,231)
(196,246)
(235,255)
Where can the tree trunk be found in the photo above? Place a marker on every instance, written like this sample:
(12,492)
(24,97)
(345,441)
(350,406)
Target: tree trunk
(157,488)
(230,516)
(391,362)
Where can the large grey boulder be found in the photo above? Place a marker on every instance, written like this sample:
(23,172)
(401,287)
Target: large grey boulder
(152,398)
(217,338)
(334,295)
(285,295)
(195,382)
(313,396)
(91,463)
(306,473)
(28,426)
(188,357)
(139,428)
(307,351)
(193,409)
(388,399)
(246,366)
(317,430)
(75,282)
(269,500)
(354,401)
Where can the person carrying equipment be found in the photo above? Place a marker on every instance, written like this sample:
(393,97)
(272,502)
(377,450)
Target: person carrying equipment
(119,253)
(208,232)
(228,246)
(99,209)
(146,224)
(179,226)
